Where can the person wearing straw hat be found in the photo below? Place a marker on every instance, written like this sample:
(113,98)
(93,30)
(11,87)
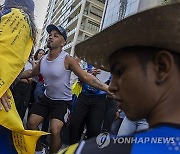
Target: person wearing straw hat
(143,54)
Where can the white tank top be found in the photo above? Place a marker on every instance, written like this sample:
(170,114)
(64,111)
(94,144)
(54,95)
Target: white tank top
(56,78)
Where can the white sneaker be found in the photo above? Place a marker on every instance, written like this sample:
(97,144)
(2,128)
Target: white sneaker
(38,152)
(43,151)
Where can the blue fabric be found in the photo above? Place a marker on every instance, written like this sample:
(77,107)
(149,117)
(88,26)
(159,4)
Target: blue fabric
(162,139)
(74,101)
(6,143)
(5,12)
(28,4)
(39,91)
(87,89)
(170,143)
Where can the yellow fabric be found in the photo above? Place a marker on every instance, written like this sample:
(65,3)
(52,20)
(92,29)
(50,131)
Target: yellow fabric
(24,140)
(69,150)
(76,88)
(15,47)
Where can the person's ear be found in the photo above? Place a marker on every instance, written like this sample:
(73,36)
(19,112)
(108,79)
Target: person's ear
(64,43)
(163,61)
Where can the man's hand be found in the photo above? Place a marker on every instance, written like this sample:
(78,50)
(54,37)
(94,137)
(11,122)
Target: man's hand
(96,71)
(4,101)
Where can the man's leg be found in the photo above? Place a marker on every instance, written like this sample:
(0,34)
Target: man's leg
(110,113)
(25,96)
(34,121)
(96,115)
(39,111)
(77,118)
(55,140)
(32,124)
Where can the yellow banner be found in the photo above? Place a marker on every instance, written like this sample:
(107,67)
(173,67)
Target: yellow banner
(15,47)
(16,44)
(69,150)
(24,140)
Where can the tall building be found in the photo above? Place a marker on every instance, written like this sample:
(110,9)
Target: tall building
(116,10)
(38,37)
(80,18)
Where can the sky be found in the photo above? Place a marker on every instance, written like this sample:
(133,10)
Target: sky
(40,11)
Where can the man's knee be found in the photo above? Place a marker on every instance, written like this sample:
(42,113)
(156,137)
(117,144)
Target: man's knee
(55,131)
(31,125)
(33,122)
(56,127)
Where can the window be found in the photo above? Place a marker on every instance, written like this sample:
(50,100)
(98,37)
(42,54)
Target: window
(93,26)
(96,11)
(102,1)
(119,9)
(86,37)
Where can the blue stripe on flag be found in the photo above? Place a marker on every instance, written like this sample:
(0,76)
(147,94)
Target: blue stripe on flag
(6,142)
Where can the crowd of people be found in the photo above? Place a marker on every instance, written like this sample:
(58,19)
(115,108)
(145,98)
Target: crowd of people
(142,89)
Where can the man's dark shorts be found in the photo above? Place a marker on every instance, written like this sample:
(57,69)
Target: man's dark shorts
(56,109)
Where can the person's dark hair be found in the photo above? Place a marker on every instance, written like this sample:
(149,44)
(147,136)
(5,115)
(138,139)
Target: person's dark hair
(36,54)
(28,7)
(176,59)
(147,54)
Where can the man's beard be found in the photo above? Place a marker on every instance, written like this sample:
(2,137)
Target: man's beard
(48,45)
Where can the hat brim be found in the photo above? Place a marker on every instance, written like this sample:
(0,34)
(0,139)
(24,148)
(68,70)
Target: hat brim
(52,27)
(157,27)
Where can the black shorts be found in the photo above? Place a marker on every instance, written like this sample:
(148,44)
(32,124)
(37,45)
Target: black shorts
(56,109)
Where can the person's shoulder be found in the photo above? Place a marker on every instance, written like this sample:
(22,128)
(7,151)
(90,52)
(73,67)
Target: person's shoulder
(159,139)
(69,59)
(92,145)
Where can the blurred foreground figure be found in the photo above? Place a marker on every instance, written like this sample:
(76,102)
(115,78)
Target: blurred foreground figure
(143,54)
(17,33)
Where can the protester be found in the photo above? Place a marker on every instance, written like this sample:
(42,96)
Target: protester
(17,36)
(28,8)
(39,89)
(56,68)
(38,92)
(129,127)
(37,81)
(22,92)
(89,109)
(143,54)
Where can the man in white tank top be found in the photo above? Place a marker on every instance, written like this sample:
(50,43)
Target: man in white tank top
(55,68)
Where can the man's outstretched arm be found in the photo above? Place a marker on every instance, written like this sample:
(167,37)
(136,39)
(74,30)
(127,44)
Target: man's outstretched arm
(85,76)
(31,72)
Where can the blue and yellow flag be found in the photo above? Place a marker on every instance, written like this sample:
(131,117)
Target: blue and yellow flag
(16,44)
(76,90)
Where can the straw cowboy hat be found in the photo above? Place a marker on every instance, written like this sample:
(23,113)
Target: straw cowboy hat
(157,27)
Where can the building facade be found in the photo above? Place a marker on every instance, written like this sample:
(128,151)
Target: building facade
(116,10)
(80,18)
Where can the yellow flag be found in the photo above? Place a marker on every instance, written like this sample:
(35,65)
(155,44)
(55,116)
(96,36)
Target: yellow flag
(24,140)
(69,150)
(76,88)
(15,47)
